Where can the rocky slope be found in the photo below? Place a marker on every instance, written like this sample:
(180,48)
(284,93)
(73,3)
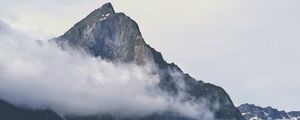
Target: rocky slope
(117,38)
(253,112)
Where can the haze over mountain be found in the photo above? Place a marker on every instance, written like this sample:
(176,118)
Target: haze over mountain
(106,72)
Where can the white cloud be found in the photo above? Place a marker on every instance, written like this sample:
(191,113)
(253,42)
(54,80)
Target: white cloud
(40,75)
(230,42)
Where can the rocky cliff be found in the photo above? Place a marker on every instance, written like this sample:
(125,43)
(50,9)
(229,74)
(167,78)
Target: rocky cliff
(116,37)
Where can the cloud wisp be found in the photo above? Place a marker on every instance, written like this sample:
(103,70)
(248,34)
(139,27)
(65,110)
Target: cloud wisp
(39,75)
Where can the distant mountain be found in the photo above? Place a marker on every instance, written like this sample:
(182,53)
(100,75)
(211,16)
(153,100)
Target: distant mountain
(117,38)
(253,112)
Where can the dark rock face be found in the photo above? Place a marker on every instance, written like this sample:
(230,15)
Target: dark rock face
(116,37)
(294,114)
(253,112)
(10,112)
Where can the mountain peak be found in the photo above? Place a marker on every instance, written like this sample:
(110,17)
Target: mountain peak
(99,14)
(116,37)
(102,13)
(109,35)
(107,8)
(107,5)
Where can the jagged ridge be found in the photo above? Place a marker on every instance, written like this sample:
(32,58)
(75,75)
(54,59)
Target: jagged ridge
(253,112)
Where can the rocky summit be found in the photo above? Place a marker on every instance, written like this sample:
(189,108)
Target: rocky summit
(110,35)
(116,37)
(253,112)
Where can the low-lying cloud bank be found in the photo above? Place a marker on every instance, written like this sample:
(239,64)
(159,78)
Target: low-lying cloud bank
(40,75)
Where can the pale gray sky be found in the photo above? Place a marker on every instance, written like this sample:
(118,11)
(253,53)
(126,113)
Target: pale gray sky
(249,47)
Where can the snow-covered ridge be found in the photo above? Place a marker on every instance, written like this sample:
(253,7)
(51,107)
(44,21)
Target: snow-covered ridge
(253,112)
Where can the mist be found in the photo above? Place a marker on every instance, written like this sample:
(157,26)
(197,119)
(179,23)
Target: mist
(39,75)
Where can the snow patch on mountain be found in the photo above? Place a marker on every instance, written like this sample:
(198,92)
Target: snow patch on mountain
(253,112)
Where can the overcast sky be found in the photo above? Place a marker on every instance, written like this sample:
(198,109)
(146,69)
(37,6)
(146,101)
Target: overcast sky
(250,48)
